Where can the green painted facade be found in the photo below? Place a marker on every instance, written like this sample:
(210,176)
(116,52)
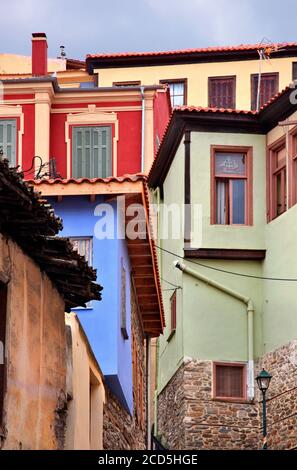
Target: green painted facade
(211,325)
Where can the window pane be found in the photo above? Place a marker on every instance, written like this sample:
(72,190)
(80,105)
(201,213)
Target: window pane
(178,88)
(238,201)
(177,100)
(227,164)
(221,209)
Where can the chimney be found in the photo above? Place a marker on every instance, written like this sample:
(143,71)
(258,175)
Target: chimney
(39,54)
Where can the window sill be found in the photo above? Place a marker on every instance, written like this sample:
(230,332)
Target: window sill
(171,336)
(239,401)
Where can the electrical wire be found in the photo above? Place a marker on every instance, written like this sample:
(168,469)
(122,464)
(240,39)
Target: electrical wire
(233,273)
(170,283)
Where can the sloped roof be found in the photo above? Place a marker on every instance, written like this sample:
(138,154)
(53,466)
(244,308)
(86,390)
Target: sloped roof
(278,108)
(142,252)
(30,221)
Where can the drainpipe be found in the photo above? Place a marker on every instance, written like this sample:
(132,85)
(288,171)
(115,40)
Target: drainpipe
(142,127)
(148,391)
(250,319)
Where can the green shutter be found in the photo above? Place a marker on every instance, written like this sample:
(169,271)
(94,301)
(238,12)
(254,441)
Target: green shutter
(8,140)
(91,152)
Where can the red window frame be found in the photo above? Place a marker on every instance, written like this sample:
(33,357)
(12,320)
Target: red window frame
(228,365)
(277,173)
(224,95)
(248,152)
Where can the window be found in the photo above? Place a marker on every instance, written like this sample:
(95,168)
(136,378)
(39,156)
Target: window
(91,152)
(8,140)
(294,71)
(229,381)
(277,179)
(173,312)
(231,186)
(84,247)
(221,92)
(269,88)
(131,83)
(178,91)
(3,305)
(123,301)
(293,160)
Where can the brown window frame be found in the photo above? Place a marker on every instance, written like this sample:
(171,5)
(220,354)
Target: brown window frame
(218,78)
(243,366)
(273,171)
(294,71)
(248,152)
(3,326)
(170,81)
(263,75)
(127,83)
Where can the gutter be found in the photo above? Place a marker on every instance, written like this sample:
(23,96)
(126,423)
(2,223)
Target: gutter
(142,88)
(250,318)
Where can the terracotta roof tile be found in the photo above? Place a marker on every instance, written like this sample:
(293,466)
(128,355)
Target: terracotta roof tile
(111,179)
(206,50)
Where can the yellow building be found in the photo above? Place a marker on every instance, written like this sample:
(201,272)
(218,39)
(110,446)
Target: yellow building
(85,390)
(223,77)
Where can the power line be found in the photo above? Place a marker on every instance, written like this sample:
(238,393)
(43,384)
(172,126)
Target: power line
(233,273)
(170,283)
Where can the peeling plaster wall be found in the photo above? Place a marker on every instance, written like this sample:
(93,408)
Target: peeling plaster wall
(34,408)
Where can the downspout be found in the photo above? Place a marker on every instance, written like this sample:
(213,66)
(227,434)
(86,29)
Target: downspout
(148,391)
(250,319)
(142,127)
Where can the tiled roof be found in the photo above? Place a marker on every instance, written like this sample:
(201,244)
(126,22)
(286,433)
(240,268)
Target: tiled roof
(111,179)
(206,50)
(201,109)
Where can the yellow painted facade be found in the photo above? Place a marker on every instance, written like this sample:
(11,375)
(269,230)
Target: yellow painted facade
(85,386)
(197,76)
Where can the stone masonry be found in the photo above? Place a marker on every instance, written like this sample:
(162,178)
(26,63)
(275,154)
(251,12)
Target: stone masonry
(188,417)
(121,431)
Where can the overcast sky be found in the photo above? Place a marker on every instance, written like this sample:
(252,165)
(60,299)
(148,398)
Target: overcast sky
(90,26)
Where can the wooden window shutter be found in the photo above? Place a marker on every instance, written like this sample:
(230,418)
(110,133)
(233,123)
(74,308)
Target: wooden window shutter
(91,152)
(173,311)
(222,92)
(8,140)
(294,71)
(3,315)
(229,381)
(269,88)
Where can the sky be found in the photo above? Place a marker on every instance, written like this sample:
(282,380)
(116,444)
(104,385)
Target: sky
(95,26)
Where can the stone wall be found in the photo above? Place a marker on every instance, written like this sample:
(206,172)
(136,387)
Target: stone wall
(35,399)
(282,397)
(188,417)
(121,431)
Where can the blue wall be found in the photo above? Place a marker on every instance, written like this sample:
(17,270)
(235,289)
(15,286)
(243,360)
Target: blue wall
(102,322)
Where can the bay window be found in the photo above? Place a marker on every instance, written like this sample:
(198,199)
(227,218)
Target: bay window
(231,186)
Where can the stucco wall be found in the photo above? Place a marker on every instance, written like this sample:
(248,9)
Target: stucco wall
(35,354)
(197,75)
(101,321)
(85,413)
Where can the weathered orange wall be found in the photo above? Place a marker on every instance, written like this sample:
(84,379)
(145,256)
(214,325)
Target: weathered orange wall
(35,354)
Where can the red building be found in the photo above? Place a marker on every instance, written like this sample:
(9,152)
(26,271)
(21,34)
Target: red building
(88,131)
